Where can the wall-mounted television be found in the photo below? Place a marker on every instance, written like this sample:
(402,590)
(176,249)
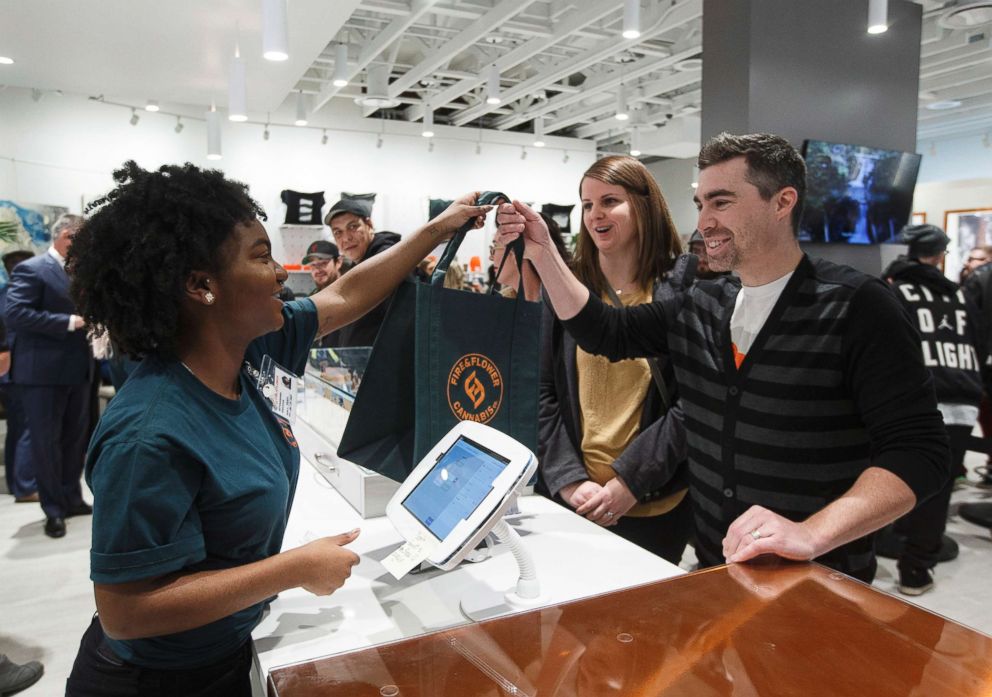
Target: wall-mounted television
(856,194)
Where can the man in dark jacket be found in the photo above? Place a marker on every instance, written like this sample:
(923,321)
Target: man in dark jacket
(351,226)
(953,351)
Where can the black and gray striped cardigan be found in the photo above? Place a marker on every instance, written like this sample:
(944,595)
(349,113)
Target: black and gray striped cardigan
(834,383)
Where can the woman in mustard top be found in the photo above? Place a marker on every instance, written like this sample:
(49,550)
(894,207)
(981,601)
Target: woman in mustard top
(612,444)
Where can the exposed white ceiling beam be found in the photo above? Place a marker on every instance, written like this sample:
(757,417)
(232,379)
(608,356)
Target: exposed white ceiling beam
(677,15)
(608,81)
(978,58)
(680,106)
(564,28)
(468,36)
(976,78)
(371,51)
(972,124)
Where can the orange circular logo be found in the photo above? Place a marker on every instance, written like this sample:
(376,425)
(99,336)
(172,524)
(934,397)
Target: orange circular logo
(475,388)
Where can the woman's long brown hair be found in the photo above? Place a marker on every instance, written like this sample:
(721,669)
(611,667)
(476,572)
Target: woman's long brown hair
(658,243)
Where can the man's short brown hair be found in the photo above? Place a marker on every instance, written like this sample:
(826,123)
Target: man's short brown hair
(772,164)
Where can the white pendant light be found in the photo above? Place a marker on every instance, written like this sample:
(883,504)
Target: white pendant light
(213,134)
(631,19)
(635,142)
(275,39)
(878,16)
(237,92)
(428,131)
(151,105)
(492,86)
(341,65)
(622,114)
(539,132)
(301,109)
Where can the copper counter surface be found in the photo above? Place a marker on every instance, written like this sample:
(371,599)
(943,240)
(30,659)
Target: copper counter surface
(770,629)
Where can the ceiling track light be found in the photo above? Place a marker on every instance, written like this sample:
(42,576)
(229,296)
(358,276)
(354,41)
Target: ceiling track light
(430,146)
(323,138)
(341,65)
(565,158)
(428,131)
(523,152)
(134,117)
(631,19)
(151,105)
(213,134)
(301,109)
(378,142)
(878,16)
(622,114)
(539,132)
(492,86)
(237,90)
(478,148)
(179,125)
(275,39)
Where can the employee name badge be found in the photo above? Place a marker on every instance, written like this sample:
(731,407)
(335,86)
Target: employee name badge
(280,388)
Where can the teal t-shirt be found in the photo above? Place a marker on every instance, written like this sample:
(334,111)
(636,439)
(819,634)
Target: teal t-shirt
(186,480)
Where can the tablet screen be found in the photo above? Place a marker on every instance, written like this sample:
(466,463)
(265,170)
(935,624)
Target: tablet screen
(455,486)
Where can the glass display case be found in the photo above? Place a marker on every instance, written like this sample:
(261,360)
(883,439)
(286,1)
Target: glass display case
(331,382)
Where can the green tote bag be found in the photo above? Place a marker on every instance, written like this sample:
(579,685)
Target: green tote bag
(442,356)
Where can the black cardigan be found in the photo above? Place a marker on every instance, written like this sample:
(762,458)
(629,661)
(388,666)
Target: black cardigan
(834,384)
(652,466)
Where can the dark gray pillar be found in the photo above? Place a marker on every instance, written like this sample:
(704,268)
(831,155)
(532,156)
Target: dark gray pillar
(808,69)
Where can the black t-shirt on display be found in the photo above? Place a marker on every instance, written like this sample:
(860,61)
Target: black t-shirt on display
(303,209)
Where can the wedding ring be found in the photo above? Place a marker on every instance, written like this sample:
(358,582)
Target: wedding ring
(609,514)
(756,534)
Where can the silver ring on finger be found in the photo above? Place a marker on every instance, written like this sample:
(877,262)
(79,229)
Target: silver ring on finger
(756,534)
(609,514)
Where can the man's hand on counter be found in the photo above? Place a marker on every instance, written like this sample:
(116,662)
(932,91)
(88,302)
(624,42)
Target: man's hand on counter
(324,564)
(760,531)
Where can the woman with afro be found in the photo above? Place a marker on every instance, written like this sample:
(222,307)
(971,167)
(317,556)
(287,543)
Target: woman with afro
(192,473)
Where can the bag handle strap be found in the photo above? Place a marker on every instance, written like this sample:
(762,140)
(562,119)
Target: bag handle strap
(659,379)
(486,198)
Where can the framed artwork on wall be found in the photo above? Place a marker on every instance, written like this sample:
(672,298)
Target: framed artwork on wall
(918,218)
(968,228)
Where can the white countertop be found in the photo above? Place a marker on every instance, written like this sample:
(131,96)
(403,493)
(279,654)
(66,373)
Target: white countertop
(574,559)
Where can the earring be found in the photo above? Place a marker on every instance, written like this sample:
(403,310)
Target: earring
(209,297)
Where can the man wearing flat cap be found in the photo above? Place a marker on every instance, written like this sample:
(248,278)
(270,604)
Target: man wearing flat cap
(953,352)
(351,226)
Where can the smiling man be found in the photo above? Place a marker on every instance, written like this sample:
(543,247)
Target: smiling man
(351,226)
(810,416)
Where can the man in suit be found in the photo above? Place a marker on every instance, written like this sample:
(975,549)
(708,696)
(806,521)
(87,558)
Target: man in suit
(18,467)
(51,369)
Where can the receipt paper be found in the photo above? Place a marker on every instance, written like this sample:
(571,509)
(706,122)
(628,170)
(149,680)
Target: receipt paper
(400,562)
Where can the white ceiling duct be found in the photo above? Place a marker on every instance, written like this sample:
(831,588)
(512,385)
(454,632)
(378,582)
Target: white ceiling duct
(377,88)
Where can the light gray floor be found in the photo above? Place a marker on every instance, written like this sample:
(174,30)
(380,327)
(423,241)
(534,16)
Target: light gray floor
(48,598)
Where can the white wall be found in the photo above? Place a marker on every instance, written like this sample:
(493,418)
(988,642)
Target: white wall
(675,179)
(956,158)
(65,148)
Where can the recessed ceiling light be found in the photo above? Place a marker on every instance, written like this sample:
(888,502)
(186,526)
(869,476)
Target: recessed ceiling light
(966,15)
(4,60)
(689,64)
(944,105)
